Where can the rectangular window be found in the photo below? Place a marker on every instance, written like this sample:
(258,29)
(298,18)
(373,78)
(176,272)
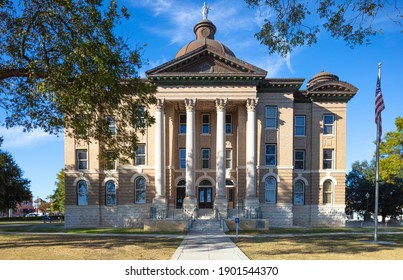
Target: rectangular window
(139,117)
(82,159)
(228,158)
(328,125)
(182,158)
(328,159)
(182,124)
(205,124)
(299,124)
(205,158)
(111,124)
(271,157)
(271,116)
(228,123)
(110,161)
(299,159)
(140,155)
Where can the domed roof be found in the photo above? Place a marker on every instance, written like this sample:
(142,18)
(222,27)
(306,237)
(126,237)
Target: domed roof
(322,77)
(205,31)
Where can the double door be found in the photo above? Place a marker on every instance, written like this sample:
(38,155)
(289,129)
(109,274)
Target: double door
(205,197)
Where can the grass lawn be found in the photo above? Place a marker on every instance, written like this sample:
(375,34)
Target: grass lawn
(325,247)
(81,244)
(78,247)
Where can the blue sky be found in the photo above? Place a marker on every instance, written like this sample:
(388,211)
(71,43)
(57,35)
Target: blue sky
(167,25)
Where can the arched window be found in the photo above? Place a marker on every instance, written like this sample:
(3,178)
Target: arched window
(205,183)
(110,192)
(140,190)
(82,193)
(299,193)
(270,190)
(327,192)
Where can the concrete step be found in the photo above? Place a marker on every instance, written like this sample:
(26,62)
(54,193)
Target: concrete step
(205,214)
(203,225)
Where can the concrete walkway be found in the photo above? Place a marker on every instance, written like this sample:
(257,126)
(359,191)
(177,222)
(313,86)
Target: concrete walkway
(208,245)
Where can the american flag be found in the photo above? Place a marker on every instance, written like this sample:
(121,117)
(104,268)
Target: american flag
(379,105)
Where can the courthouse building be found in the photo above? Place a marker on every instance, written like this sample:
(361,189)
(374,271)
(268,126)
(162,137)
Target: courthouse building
(226,139)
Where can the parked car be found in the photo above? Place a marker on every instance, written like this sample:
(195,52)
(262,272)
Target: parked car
(34,214)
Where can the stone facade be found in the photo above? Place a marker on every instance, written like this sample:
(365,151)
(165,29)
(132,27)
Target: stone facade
(225,138)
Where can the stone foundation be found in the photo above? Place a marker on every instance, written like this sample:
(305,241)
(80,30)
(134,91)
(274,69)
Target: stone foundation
(166,225)
(279,215)
(248,224)
(132,216)
(329,216)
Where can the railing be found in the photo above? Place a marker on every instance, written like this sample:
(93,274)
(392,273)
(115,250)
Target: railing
(246,213)
(158,213)
(191,217)
(218,216)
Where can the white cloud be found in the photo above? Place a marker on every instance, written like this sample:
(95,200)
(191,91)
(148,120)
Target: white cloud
(236,26)
(16,138)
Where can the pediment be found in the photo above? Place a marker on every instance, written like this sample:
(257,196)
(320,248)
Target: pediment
(206,62)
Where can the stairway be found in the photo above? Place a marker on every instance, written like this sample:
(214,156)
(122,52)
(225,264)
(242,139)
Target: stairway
(204,225)
(206,221)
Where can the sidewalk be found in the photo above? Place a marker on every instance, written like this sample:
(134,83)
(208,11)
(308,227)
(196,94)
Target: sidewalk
(208,245)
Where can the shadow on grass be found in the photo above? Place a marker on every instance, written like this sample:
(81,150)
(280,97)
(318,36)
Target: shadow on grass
(90,242)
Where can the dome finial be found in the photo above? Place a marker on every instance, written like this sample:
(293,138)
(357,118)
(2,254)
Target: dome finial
(205,9)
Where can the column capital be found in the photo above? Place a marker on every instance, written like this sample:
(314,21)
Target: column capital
(251,104)
(190,104)
(220,104)
(159,106)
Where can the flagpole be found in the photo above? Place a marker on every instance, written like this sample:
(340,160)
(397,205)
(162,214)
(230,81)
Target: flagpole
(377,170)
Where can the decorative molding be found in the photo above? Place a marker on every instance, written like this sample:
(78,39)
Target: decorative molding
(133,178)
(110,179)
(300,178)
(160,105)
(178,179)
(251,104)
(81,178)
(221,104)
(205,177)
(328,177)
(273,175)
(190,104)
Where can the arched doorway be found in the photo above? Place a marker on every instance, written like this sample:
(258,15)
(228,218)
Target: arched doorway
(205,195)
(230,188)
(180,193)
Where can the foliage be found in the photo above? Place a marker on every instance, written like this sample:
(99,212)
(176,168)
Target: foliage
(14,188)
(361,179)
(391,153)
(62,67)
(58,196)
(288,24)
(44,206)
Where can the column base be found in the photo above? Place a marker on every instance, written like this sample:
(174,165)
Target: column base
(189,205)
(221,205)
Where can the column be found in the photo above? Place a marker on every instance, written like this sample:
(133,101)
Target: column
(251,200)
(159,199)
(220,200)
(190,198)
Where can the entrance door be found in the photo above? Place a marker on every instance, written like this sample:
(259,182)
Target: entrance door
(205,197)
(180,195)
